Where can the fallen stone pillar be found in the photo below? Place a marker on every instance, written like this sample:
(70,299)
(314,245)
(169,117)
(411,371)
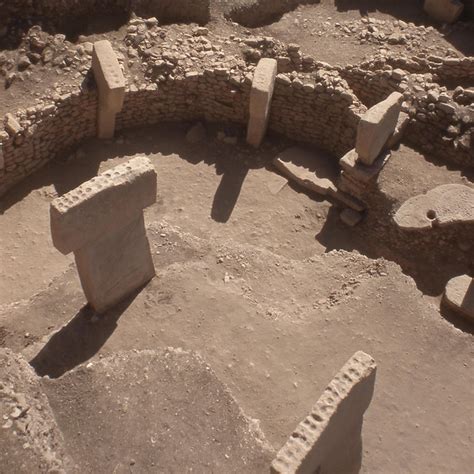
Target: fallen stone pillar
(445,11)
(376,126)
(260,100)
(111,85)
(329,439)
(101,221)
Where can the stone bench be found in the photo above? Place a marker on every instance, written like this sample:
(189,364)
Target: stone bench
(111,85)
(102,222)
(260,100)
(329,439)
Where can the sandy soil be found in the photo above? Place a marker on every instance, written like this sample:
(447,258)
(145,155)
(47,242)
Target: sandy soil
(242,279)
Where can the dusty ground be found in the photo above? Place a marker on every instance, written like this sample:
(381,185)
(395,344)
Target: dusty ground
(243,280)
(262,280)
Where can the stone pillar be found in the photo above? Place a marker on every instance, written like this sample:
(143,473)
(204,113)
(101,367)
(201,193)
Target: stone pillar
(329,439)
(111,85)
(376,126)
(260,100)
(101,221)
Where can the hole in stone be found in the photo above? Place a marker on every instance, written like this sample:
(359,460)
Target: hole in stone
(431,214)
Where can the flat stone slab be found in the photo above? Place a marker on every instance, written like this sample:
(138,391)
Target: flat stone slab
(376,126)
(328,439)
(310,170)
(459,295)
(442,206)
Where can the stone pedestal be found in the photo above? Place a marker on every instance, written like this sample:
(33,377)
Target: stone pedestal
(101,221)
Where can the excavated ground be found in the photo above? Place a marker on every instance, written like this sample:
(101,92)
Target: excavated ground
(243,279)
(262,280)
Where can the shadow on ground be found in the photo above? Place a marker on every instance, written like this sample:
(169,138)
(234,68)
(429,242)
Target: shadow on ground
(79,340)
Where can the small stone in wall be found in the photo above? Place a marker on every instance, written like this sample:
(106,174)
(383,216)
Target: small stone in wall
(196,134)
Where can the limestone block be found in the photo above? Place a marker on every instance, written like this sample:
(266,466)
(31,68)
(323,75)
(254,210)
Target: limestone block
(376,126)
(115,265)
(442,206)
(102,205)
(260,100)
(108,76)
(446,11)
(360,172)
(307,169)
(111,85)
(101,221)
(459,295)
(328,440)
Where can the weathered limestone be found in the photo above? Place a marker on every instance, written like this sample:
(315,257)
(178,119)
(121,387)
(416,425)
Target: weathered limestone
(313,172)
(459,295)
(446,11)
(101,221)
(111,84)
(260,100)
(329,439)
(376,126)
(442,206)
(297,163)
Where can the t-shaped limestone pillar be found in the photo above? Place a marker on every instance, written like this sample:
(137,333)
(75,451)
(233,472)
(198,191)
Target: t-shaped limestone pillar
(111,84)
(101,221)
(260,100)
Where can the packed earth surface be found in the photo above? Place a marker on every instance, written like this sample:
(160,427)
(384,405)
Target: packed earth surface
(262,290)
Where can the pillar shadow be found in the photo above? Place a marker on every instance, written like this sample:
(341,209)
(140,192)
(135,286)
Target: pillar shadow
(79,340)
(228,191)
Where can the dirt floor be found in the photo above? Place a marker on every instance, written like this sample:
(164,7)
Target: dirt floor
(243,280)
(262,280)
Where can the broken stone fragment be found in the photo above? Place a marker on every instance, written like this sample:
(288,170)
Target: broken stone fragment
(459,295)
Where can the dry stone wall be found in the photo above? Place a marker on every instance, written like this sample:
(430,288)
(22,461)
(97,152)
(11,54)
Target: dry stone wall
(441,121)
(35,136)
(312,110)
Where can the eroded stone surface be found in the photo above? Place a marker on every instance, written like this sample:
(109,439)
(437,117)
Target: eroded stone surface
(307,169)
(111,84)
(376,126)
(101,221)
(103,204)
(459,295)
(442,206)
(260,100)
(328,440)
